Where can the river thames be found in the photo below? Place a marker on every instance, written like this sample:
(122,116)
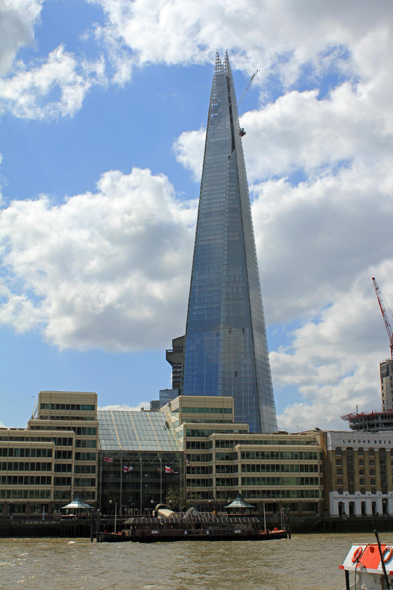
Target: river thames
(305,562)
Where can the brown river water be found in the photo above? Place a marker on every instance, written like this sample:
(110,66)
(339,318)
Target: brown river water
(306,562)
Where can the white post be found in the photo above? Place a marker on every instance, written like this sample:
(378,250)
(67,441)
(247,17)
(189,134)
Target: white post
(115,515)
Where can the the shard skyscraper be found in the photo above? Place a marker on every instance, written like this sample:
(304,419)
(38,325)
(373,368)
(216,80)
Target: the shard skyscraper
(225,350)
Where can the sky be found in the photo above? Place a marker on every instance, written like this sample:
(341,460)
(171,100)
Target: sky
(103,108)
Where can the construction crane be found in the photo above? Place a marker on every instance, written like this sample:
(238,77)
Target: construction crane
(247,87)
(384,315)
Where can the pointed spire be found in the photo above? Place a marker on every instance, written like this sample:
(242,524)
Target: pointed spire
(219,67)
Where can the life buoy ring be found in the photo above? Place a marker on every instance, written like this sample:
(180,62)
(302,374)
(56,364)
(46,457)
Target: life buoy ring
(357,554)
(387,554)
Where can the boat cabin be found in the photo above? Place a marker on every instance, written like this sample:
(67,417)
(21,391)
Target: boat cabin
(369,566)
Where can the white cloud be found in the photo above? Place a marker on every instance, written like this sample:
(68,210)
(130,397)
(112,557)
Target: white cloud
(189,148)
(278,37)
(109,269)
(33,93)
(334,361)
(126,408)
(17,21)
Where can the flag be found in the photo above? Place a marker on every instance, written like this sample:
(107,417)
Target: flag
(169,470)
(108,460)
(189,464)
(127,469)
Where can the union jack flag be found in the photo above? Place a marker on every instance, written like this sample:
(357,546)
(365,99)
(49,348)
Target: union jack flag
(108,460)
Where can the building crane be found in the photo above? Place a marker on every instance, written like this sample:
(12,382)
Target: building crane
(247,87)
(384,315)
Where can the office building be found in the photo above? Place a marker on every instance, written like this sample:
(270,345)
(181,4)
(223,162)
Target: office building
(46,464)
(358,473)
(225,351)
(223,458)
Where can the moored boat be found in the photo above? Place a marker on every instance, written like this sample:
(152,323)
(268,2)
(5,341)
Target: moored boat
(369,566)
(194,526)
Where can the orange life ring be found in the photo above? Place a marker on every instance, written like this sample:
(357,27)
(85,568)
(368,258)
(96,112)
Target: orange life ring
(387,554)
(357,554)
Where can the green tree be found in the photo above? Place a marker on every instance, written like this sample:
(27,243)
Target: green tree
(180,498)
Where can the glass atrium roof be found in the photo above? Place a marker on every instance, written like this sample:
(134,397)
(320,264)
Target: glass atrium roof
(135,431)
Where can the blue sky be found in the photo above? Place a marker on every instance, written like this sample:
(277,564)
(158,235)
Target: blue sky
(103,105)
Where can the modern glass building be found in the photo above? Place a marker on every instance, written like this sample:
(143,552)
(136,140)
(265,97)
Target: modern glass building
(135,449)
(226,349)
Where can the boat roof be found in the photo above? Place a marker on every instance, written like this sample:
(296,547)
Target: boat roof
(367,558)
(200,517)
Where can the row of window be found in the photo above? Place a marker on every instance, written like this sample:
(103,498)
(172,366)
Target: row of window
(278,494)
(84,482)
(207,410)
(201,433)
(25,494)
(280,467)
(14,466)
(10,452)
(88,443)
(64,495)
(79,407)
(26,480)
(85,456)
(281,455)
(280,481)
(86,430)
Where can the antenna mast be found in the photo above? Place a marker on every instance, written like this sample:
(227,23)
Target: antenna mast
(384,315)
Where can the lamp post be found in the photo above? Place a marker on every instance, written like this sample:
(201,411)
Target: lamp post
(111,502)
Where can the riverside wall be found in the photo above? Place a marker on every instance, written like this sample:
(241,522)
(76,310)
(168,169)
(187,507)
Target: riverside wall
(85,527)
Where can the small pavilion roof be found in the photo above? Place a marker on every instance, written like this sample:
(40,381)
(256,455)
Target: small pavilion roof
(239,502)
(77,502)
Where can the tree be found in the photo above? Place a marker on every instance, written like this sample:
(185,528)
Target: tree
(180,498)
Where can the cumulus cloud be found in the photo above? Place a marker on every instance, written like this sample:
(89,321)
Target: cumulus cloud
(17,21)
(189,148)
(126,408)
(32,93)
(279,38)
(107,270)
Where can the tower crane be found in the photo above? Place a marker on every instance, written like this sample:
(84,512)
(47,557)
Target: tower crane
(384,315)
(246,88)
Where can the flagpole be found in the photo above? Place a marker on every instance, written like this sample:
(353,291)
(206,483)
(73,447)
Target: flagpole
(160,478)
(121,481)
(100,490)
(140,490)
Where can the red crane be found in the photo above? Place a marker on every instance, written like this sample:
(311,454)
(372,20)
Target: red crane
(384,315)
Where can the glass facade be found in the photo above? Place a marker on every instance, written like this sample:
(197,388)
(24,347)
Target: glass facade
(135,448)
(142,431)
(226,349)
